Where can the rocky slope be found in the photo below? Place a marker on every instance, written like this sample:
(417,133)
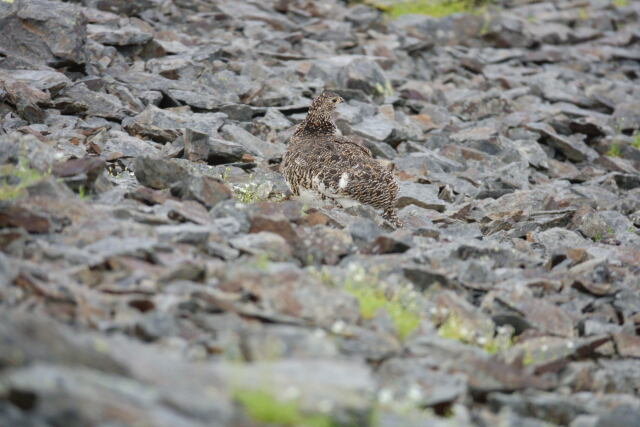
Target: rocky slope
(153,271)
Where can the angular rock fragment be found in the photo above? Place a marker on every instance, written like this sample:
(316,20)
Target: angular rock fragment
(43,32)
(166,125)
(422,195)
(17,216)
(206,190)
(263,243)
(122,36)
(571,147)
(159,173)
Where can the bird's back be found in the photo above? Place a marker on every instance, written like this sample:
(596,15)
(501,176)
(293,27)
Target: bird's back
(338,167)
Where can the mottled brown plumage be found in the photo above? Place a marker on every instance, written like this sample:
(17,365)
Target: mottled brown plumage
(319,159)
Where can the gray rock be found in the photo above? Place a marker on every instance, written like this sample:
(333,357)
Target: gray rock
(184,233)
(166,125)
(626,116)
(80,99)
(605,225)
(34,339)
(204,189)
(553,89)
(422,195)
(419,164)
(199,146)
(476,105)
(121,36)
(252,144)
(452,29)
(120,7)
(365,75)
(49,80)
(159,173)
(377,128)
(197,96)
(548,407)
(274,119)
(420,384)
(229,86)
(558,239)
(264,243)
(155,325)
(627,181)
(540,314)
(219,250)
(325,246)
(623,416)
(292,342)
(7,272)
(57,32)
(120,144)
(573,148)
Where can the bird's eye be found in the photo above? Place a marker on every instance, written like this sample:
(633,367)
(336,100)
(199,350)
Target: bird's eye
(334,100)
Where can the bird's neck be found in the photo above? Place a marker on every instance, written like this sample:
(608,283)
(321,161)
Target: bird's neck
(316,124)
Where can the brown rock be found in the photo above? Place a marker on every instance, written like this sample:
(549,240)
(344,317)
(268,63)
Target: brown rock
(627,345)
(16,216)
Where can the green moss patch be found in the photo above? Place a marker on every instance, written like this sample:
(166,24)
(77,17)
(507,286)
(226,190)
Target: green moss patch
(263,407)
(454,328)
(253,192)
(435,8)
(372,297)
(14,179)
(614,150)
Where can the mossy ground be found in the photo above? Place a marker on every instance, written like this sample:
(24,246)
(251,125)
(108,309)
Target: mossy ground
(264,407)
(435,8)
(14,179)
(454,328)
(372,297)
(614,150)
(254,192)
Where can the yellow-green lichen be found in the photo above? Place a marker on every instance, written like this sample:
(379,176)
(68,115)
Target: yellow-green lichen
(435,8)
(14,179)
(262,262)
(372,296)
(224,176)
(614,150)
(455,329)
(384,90)
(583,14)
(253,192)
(263,407)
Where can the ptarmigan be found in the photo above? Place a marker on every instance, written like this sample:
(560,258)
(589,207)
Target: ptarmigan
(320,159)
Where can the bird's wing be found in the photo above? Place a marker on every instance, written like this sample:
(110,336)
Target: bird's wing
(347,142)
(345,170)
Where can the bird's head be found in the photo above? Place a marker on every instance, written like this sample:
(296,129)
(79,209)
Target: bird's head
(325,103)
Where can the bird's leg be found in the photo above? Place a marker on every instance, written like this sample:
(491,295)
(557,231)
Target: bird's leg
(392,216)
(335,202)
